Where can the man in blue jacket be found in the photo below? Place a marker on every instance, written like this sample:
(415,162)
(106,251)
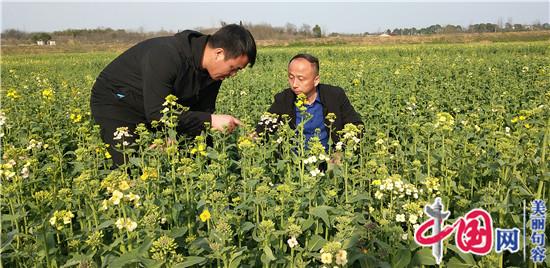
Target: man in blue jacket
(321,99)
(189,65)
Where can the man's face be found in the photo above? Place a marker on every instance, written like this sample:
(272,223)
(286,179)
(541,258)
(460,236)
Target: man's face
(302,77)
(222,68)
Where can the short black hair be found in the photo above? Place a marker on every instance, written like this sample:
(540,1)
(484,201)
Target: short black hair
(235,41)
(312,59)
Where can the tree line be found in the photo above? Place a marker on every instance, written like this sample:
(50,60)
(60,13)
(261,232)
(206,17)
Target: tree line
(475,28)
(261,31)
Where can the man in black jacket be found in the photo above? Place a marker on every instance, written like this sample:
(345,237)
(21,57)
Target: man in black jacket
(321,99)
(189,65)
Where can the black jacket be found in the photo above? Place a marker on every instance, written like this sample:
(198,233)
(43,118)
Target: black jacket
(334,100)
(133,87)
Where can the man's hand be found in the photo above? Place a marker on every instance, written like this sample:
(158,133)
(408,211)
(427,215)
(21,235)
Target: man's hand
(223,122)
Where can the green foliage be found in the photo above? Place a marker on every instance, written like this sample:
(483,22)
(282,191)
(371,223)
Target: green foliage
(468,123)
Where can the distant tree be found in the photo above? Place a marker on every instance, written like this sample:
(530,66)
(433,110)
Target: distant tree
(291,29)
(452,29)
(508,27)
(518,27)
(305,29)
(14,34)
(397,31)
(317,31)
(41,36)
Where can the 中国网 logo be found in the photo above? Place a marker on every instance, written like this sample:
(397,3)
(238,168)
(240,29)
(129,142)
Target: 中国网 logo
(474,232)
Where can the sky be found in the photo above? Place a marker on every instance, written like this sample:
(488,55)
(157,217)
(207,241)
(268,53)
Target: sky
(342,17)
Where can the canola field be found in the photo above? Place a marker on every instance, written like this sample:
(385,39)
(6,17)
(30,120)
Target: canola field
(469,123)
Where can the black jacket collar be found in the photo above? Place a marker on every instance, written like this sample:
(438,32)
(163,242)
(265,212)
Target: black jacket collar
(192,45)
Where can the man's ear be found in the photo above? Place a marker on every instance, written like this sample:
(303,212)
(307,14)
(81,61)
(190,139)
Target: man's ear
(219,53)
(316,80)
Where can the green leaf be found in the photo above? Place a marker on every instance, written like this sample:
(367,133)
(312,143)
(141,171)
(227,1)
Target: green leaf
(9,237)
(246,226)
(150,263)
(126,258)
(269,253)
(134,256)
(144,248)
(424,257)
(316,242)
(307,223)
(454,262)
(135,161)
(348,243)
(467,258)
(200,204)
(12,217)
(190,261)
(236,258)
(105,224)
(321,212)
(402,259)
(359,197)
(76,260)
(178,232)
(236,262)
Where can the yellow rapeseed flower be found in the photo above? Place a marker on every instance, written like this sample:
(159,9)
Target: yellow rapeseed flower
(47,94)
(124,186)
(12,93)
(205,215)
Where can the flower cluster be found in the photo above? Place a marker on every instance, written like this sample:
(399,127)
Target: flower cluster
(394,185)
(101,150)
(47,94)
(331,117)
(117,196)
(12,94)
(332,251)
(7,169)
(34,144)
(171,111)
(170,101)
(301,100)
(126,223)
(149,173)
(75,116)
(95,239)
(61,218)
(163,247)
(205,215)
(432,184)
(245,142)
(316,172)
(292,242)
(444,121)
(200,146)
(121,133)
(521,118)
(270,121)
(349,136)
